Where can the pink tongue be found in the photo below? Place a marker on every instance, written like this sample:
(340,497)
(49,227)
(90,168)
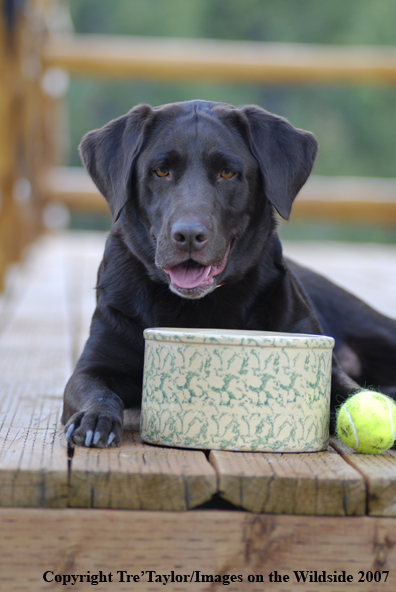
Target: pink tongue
(188,275)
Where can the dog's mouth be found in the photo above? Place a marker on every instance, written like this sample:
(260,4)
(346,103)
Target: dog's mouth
(192,279)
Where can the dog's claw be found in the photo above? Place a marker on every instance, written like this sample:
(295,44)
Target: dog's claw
(110,438)
(69,431)
(96,438)
(88,438)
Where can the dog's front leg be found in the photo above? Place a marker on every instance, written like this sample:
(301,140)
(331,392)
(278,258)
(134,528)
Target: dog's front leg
(107,379)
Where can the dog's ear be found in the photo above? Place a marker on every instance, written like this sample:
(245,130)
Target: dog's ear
(108,154)
(286,156)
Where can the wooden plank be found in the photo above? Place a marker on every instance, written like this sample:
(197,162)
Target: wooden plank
(349,189)
(363,212)
(353,199)
(148,58)
(199,550)
(72,187)
(83,252)
(35,362)
(140,476)
(379,473)
(311,483)
(43,321)
(347,199)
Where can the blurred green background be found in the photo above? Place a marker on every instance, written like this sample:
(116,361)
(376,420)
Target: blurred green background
(355,125)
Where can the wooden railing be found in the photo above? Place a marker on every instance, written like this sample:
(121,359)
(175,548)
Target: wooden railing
(26,142)
(148,58)
(29,178)
(344,199)
(140,58)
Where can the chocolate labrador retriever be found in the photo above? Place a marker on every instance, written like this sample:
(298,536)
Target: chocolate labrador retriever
(193,188)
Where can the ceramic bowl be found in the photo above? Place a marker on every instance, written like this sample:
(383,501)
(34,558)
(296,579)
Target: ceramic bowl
(236,390)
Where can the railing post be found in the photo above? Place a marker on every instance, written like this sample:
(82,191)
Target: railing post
(9,107)
(23,142)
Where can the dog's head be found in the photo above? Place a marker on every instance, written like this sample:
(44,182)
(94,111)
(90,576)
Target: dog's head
(194,184)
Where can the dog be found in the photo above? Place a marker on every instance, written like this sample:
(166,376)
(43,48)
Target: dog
(194,189)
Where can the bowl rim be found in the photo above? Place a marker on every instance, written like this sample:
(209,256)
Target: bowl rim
(237,337)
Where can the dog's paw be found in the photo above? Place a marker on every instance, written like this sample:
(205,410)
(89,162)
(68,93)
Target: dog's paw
(92,429)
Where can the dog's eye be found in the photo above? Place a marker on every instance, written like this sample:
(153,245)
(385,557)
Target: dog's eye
(227,173)
(162,171)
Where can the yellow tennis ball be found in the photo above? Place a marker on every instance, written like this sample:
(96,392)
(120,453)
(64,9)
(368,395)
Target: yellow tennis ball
(366,422)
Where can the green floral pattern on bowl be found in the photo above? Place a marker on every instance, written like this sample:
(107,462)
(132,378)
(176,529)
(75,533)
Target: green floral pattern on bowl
(236,390)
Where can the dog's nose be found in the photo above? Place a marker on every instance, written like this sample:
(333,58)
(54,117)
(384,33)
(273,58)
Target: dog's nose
(190,235)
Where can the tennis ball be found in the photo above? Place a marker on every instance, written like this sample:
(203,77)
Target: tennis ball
(366,422)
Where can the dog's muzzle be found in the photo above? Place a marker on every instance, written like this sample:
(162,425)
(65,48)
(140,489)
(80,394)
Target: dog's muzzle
(190,279)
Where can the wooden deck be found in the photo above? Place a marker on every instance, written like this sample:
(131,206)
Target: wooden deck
(253,513)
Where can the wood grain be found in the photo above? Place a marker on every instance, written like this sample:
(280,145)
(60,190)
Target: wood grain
(35,362)
(379,473)
(193,544)
(140,476)
(315,483)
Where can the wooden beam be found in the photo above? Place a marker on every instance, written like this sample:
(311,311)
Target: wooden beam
(72,187)
(162,59)
(365,212)
(347,199)
(201,550)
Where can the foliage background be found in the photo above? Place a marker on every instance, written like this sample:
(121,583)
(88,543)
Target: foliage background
(355,125)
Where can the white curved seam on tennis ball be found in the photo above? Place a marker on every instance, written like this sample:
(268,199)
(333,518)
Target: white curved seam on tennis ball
(353,427)
(391,419)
